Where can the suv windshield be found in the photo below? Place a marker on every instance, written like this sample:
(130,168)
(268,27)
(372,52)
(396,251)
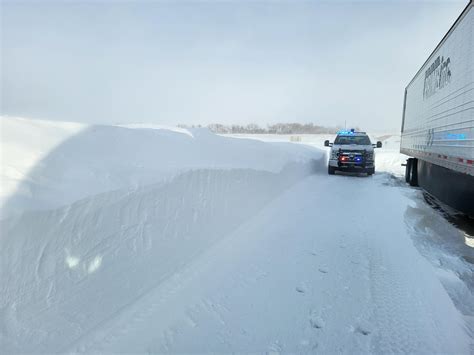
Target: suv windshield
(359,140)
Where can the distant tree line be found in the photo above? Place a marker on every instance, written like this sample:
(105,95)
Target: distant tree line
(277,128)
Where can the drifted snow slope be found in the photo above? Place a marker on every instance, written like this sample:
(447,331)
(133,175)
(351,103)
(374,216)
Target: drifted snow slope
(63,162)
(177,242)
(114,211)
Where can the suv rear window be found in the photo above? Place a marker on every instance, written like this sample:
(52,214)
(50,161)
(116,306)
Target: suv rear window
(359,140)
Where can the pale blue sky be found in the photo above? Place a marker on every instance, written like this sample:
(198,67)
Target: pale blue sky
(173,62)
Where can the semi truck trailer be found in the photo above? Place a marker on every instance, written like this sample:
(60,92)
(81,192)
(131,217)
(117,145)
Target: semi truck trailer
(437,130)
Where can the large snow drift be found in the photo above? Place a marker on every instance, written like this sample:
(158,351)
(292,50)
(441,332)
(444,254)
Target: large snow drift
(121,208)
(49,164)
(131,239)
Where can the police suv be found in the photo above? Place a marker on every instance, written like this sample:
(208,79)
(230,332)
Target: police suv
(353,152)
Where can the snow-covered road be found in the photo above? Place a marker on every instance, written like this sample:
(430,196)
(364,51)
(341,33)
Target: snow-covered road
(214,244)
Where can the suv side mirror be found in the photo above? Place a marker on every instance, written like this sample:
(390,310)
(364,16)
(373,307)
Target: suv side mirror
(379,144)
(327,144)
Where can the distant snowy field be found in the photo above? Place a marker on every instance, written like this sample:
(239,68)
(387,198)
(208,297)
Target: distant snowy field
(147,239)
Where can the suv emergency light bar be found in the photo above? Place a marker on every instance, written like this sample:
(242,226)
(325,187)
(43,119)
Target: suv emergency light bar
(352,131)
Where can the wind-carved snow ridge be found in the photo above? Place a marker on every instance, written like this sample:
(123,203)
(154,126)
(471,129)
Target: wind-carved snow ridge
(97,159)
(109,250)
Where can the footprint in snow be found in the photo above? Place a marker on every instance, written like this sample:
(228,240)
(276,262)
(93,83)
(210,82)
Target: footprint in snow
(361,329)
(323,270)
(316,322)
(300,289)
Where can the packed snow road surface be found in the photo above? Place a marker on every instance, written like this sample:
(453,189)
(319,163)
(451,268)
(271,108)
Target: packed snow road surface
(215,244)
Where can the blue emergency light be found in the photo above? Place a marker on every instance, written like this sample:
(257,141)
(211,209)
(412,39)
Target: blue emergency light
(352,131)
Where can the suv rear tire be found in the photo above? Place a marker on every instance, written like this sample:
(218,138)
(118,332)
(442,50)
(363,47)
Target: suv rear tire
(331,170)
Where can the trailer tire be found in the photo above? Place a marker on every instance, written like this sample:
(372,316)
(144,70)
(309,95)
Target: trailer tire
(411,172)
(408,170)
(414,172)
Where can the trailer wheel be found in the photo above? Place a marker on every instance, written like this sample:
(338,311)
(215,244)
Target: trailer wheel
(408,170)
(411,172)
(414,172)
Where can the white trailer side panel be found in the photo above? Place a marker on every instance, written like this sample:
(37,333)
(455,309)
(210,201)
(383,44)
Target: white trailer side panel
(438,117)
